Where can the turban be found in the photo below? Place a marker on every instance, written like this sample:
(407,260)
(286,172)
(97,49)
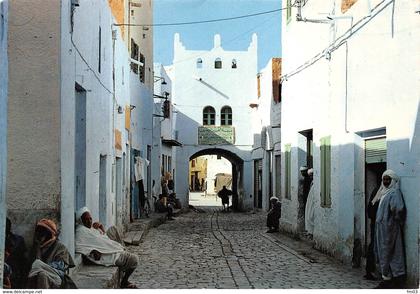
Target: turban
(51,227)
(384,190)
(274,198)
(80,212)
(302,168)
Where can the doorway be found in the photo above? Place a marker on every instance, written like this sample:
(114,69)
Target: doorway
(118,192)
(375,165)
(306,159)
(80,147)
(102,190)
(258,183)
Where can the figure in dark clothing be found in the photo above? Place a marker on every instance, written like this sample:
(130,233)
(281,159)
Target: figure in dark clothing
(274,215)
(16,257)
(303,192)
(51,259)
(372,208)
(196,184)
(224,194)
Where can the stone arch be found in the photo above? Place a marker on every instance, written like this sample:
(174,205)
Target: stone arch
(237,170)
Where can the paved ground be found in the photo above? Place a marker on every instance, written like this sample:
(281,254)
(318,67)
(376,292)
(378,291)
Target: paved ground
(232,250)
(205,200)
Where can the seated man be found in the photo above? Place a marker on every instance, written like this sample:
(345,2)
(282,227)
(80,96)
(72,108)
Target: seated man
(98,247)
(273,215)
(51,259)
(15,257)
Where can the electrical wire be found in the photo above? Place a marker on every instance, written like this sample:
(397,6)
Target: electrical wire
(83,58)
(340,40)
(206,21)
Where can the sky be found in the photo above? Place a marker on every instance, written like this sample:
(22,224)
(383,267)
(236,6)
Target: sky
(235,34)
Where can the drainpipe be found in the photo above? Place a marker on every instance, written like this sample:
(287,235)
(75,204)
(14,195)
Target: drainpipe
(304,19)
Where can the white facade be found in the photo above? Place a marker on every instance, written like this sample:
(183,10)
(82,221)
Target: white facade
(3,123)
(164,133)
(141,92)
(77,111)
(92,52)
(266,127)
(346,82)
(197,85)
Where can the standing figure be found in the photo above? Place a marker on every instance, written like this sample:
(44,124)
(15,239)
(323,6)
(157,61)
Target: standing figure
(274,215)
(303,191)
(372,208)
(51,259)
(224,195)
(310,207)
(196,184)
(389,245)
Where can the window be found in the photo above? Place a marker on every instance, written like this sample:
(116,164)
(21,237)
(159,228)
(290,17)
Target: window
(287,171)
(99,53)
(277,174)
(199,63)
(209,116)
(326,171)
(234,64)
(218,63)
(288,11)
(134,56)
(226,116)
(142,68)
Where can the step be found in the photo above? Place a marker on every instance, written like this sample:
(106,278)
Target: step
(96,277)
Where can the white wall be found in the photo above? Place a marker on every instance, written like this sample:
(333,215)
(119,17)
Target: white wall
(360,88)
(3,123)
(217,88)
(263,123)
(79,64)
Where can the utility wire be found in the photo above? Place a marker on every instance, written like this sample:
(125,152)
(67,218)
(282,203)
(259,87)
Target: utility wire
(202,21)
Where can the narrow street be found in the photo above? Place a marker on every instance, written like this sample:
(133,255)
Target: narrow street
(213,249)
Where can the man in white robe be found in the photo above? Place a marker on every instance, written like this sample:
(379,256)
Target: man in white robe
(95,244)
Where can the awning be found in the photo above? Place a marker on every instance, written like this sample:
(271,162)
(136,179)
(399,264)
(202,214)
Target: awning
(171,142)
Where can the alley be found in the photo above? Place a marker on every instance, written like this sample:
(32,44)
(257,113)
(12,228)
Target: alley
(213,249)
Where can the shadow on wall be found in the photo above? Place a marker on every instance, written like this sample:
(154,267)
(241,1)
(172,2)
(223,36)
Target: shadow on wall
(341,227)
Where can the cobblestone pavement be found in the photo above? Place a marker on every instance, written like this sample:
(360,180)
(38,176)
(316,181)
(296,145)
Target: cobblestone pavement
(229,251)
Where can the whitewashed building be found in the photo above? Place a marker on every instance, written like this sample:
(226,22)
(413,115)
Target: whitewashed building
(211,91)
(140,45)
(266,151)
(75,111)
(164,133)
(3,123)
(351,109)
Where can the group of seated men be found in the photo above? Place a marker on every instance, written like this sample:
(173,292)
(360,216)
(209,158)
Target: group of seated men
(48,262)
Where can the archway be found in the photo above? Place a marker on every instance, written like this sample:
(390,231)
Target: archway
(236,171)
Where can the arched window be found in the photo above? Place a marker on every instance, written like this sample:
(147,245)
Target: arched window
(234,64)
(199,63)
(226,116)
(218,63)
(209,116)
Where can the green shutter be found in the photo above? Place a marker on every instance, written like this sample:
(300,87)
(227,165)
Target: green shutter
(288,11)
(287,159)
(375,150)
(326,171)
